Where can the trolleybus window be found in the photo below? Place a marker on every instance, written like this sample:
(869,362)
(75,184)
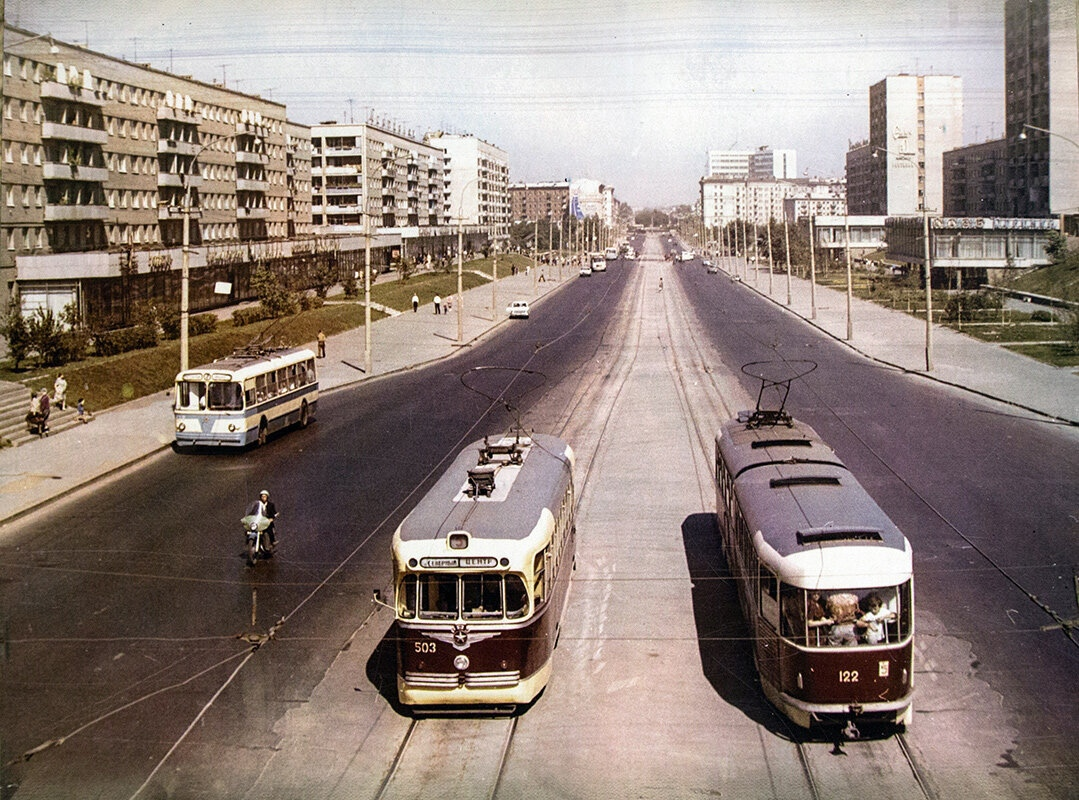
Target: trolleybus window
(225,396)
(190,396)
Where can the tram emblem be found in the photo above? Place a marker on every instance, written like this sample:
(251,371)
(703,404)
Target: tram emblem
(460,637)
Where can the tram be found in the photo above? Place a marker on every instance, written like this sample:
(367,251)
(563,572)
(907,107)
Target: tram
(482,567)
(824,576)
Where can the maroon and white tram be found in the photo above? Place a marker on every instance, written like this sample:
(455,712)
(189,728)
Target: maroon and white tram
(825,577)
(482,567)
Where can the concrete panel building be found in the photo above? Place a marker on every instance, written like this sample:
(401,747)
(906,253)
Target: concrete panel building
(532,201)
(477,181)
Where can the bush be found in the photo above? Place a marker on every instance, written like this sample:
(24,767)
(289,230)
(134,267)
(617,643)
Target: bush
(196,325)
(1041,316)
(964,306)
(246,316)
(122,340)
(307,302)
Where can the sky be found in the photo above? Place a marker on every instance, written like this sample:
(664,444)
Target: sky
(632,93)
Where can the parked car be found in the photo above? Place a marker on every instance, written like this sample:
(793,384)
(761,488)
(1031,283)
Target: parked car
(712,269)
(518,309)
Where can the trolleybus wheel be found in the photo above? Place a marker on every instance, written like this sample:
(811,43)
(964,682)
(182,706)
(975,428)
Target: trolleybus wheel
(263,430)
(304,417)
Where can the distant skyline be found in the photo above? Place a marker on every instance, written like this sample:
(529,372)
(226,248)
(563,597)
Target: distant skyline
(627,92)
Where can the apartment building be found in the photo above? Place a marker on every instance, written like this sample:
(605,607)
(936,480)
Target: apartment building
(913,120)
(532,201)
(761,164)
(723,201)
(100,156)
(477,181)
(366,176)
(1041,90)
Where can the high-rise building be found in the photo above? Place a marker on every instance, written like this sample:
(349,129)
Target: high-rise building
(913,119)
(1041,86)
(100,158)
(395,179)
(532,201)
(761,164)
(477,181)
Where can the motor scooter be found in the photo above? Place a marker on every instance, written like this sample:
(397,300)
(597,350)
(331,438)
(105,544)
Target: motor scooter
(256,531)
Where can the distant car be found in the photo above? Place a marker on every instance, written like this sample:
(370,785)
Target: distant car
(707,262)
(599,265)
(712,269)
(586,270)
(518,309)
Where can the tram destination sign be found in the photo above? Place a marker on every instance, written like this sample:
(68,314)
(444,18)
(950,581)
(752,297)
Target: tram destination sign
(461,562)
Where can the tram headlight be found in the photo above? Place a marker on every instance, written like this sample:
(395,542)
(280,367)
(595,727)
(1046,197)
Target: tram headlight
(232,427)
(461,662)
(181,427)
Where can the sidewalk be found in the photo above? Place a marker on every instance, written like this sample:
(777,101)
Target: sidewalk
(43,470)
(46,469)
(898,339)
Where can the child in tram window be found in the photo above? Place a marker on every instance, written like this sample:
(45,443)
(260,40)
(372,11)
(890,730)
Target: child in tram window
(872,621)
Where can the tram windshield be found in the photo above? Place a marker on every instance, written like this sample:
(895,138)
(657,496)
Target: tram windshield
(474,596)
(844,618)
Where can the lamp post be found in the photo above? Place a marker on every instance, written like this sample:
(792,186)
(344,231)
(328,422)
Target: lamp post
(927,258)
(850,288)
(812,271)
(787,247)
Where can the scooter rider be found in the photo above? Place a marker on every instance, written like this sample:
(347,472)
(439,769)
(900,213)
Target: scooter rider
(265,507)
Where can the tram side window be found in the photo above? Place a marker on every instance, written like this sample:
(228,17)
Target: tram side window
(539,571)
(438,597)
(406,599)
(482,596)
(769,596)
(226,396)
(516,597)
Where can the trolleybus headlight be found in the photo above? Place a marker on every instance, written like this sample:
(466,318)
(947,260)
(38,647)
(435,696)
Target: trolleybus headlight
(232,427)
(461,662)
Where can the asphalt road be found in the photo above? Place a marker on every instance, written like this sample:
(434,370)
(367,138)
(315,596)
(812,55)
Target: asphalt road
(123,605)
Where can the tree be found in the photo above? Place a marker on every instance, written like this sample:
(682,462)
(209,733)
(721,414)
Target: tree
(13,328)
(276,300)
(1056,246)
(45,333)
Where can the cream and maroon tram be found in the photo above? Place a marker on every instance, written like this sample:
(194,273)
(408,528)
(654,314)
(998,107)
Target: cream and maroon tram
(481,572)
(825,576)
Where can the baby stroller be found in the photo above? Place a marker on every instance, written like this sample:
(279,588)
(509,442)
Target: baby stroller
(36,421)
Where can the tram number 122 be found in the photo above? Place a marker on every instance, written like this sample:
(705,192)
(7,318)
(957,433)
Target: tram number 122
(848,676)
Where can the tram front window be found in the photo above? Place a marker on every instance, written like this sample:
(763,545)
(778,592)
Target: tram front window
(849,617)
(482,596)
(438,597)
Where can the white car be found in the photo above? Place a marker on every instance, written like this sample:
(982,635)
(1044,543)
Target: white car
(518,309)
(586,270)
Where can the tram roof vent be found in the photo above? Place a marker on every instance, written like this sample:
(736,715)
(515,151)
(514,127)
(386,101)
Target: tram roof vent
(804,480)
(757,444)
(838,533)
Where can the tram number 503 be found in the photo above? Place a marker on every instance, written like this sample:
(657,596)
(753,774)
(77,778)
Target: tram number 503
(848,676)
(425,647)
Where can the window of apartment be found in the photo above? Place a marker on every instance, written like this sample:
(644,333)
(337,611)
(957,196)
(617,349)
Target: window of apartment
(11,197)
(28,191)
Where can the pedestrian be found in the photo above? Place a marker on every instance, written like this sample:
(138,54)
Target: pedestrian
(43,400)
(661,283)
(59,389)
(82,415)
(438,304)
(321,344)
(415,304)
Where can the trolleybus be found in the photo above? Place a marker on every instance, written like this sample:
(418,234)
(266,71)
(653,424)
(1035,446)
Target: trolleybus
(824,576)
(481,568)
(244,397)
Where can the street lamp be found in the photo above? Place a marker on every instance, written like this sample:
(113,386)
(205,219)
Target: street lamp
(927,259)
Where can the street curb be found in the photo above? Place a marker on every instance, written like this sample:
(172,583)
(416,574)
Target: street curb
(908,370)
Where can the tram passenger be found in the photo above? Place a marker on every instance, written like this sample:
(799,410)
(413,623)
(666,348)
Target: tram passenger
(871,622)
(819,621)
(843,609)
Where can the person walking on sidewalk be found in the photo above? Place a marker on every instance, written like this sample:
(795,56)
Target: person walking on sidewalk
(438,304)
(415,304)
(321,344)
(59,389)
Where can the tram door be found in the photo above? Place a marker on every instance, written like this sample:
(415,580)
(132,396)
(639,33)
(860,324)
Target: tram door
(767,626)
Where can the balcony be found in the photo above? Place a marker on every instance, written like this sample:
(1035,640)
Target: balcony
(175,179)
(249,185)
(65,172)
(252,213)
(73,133)
(54,90)
(178,115)
(75,213)
(178,146)
(246,157)
(250,128)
